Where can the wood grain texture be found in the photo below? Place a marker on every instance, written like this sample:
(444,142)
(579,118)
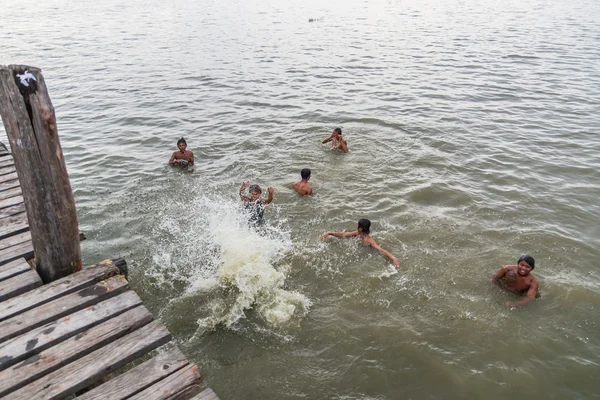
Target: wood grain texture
(10,211)
(72,349)
(19,284)
(62,306)
(36,340)
(30,125)
(15,239)
(9,184)
(7,170)
(94,366)
(20,250)
(56,289)
(6,194)
(8,177)
(177,386)
(13,268)
(139,378)
(13,225)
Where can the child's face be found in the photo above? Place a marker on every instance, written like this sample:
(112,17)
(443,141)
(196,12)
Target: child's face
(182,147)
(255,194)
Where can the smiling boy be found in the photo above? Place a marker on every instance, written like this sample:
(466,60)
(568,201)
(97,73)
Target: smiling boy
(518,279)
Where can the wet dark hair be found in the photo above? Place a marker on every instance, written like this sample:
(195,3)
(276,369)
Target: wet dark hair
(305,173)
(182,140)
(528,259)
(364,225)
(338,130)
(255,187)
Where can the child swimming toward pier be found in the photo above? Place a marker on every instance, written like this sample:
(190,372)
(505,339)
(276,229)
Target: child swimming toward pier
(255,204)
(363,232)
(182,157)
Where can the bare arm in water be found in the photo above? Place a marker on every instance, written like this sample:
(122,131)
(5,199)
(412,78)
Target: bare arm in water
(339,234)
(371,242)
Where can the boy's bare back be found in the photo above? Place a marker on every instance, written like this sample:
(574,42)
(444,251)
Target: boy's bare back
(303,188)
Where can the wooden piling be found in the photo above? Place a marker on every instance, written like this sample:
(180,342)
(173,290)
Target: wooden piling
(30,124)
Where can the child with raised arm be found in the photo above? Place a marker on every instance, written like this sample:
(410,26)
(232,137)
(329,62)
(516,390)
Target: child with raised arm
(254,204)
(182,157)
(363,233)
(337,141)
(518,279)
(302,187)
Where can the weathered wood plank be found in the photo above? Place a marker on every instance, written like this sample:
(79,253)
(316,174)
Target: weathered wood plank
(7,170)
(138,378)
(6,162)
(206,394)
(5,194)
(12,211)
(15,240)
(62,306)
(8,177)
(13,268)
(12,183)
(30,125)
(13,225)
(36,340)
(20,250)
(177,386)
(72,349)
(94,366)
(56,289)
(18,284)
(11,201)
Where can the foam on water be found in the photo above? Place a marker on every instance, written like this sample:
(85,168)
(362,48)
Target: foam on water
(237,267)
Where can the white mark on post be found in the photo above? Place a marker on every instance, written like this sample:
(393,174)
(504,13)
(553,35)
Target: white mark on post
(26,77)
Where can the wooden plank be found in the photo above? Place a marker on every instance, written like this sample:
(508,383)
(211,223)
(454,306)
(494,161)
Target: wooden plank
(57,331)
(72,349)
(18,284)
(12,183)
(13,268)
(7,170)
(5,194)
(62,306)
(11,201)
(56,289)
(179,385)
(138,378)
(21,250)
(13,225)
(8,177)
(94,366)
(206,394)
(11,211)
(15,240)
(6,162)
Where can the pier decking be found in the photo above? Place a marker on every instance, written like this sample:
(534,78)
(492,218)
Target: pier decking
(76,336)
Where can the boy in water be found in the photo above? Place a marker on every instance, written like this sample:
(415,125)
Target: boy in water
(183,157)
(363,233)
(255,204)
(302,187)
(337,141)
(518,279)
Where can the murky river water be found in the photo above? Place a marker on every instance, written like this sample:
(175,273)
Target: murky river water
(473,134)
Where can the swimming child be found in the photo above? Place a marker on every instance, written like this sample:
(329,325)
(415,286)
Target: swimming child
(183,157)
(337,141)
(518,279)
(363,233)
(255,204)
(302,187)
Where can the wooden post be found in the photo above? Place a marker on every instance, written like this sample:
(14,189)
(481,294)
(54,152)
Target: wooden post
(30,125)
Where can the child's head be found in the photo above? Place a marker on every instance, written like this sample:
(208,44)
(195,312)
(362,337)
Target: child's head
(181,144)
(305,173)
(337,132)
(364,226)
(255,191)
(528,259)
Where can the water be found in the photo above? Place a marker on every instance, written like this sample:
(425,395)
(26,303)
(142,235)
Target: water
(472,128)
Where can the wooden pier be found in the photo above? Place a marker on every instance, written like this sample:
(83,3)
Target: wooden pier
(85,335)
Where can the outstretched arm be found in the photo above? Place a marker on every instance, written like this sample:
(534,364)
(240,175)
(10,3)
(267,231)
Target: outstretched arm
(385,253)
(502,272)
(531,293)
(343,145)
(242,190)
(339,234)
(329,139)
(269,199)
